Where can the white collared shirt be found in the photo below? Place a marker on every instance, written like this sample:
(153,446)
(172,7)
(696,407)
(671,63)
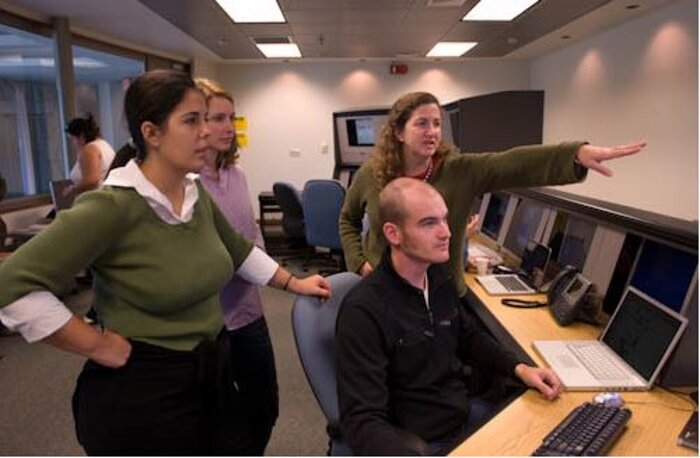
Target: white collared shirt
(39,314)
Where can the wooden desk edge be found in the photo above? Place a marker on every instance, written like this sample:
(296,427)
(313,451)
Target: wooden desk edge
(520,427)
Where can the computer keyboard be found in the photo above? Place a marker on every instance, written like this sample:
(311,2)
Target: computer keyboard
(598,363)
(589,430)
(512,283)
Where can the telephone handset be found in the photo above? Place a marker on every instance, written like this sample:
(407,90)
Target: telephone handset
(567,295)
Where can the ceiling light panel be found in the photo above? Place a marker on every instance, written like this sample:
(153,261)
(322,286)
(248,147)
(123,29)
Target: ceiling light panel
(279,50)
(252,11)
(498,10)
(450,48)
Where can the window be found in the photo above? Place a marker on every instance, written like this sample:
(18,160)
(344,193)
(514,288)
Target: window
(101,80)
(30,127)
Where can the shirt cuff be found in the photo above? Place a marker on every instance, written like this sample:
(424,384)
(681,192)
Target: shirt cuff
(258,268)
(36,315)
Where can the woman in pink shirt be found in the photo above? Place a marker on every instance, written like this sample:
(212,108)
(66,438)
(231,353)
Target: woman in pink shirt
(251,348)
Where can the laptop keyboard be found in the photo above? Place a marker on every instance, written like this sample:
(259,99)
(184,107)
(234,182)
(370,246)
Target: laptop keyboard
(598,363)
(512,283)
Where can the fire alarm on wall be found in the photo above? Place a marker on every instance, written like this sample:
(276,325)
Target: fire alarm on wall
(398,69)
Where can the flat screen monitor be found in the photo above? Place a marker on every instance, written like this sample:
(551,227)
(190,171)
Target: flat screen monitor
(524,226)
(665,273)
(575,243)
(495,212)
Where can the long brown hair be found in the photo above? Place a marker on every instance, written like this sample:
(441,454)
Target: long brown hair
(387,162)
(213,89)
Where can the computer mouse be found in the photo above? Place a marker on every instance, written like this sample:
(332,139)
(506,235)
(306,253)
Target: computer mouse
(609,399)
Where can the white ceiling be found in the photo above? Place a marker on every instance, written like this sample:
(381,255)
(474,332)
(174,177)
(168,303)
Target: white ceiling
(333,29)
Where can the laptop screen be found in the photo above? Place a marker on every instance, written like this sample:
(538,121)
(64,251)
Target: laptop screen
(535,256)
(643,332)
(60,201)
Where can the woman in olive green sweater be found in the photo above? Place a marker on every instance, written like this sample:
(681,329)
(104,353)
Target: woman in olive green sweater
(411,145)
(160,251)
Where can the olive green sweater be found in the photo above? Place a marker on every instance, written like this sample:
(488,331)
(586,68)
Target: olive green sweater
(460,179)
(154,282)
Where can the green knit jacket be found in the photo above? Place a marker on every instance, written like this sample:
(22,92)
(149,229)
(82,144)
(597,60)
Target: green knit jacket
(153,282)
(460,179)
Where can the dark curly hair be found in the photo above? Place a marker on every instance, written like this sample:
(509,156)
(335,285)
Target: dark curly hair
(87,127)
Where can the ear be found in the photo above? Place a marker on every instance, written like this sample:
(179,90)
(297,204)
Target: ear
(398,134)
(151,134)
(392,233)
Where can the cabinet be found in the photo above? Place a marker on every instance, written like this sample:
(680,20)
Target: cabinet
(497,121)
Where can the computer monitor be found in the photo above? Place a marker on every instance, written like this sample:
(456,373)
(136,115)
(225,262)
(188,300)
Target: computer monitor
(355,134)
(665,273)
(575,243)
(682,368)
(526,224)
(495,214)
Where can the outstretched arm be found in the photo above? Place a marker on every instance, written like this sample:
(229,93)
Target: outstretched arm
(592,157)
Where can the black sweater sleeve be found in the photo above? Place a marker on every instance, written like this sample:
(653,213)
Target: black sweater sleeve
(363,395)
(477,345)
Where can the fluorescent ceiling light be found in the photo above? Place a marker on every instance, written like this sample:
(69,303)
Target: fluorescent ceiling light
(450,48)
(20,61)
(252,10)
(498,10)
(272,50)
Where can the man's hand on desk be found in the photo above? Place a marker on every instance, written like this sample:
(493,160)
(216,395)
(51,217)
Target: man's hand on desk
(543,380)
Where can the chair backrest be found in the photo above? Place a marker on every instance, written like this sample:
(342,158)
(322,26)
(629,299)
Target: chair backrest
(313,323)
(322,201)
(289,200)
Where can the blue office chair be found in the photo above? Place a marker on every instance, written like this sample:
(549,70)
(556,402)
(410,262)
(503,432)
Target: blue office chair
(322,201)
(313,323)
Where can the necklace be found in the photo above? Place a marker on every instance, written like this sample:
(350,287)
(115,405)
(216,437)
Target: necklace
(429,171)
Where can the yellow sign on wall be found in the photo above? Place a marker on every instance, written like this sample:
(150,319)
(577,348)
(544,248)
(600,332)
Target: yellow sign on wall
(240,123)
(242,139)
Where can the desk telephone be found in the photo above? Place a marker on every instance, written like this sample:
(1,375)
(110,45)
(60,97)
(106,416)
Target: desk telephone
(569,299)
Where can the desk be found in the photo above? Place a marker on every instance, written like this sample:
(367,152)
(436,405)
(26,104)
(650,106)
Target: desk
(657,416)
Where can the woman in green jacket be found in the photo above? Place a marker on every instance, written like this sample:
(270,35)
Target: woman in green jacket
(411,145)
(157,379)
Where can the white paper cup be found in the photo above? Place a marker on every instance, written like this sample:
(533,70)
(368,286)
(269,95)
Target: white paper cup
(482,265)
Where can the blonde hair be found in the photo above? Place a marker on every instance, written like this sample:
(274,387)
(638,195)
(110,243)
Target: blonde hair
(212,89)
(387,162)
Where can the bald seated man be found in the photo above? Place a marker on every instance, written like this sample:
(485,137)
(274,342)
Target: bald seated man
(402,338)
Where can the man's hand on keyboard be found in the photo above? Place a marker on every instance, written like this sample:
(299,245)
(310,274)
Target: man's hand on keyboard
(543,380)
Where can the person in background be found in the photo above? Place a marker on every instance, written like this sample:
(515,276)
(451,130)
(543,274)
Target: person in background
(253,361)
(95,155)
(402,337)
(157,380)
(411,145)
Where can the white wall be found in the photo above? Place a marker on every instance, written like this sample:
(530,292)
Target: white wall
(638,81)
(290,105)
(205,68)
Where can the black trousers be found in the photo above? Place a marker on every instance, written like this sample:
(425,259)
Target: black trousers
(162,402)
(253,364)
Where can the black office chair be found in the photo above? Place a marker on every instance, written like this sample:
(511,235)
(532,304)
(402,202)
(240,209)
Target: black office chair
(289,200)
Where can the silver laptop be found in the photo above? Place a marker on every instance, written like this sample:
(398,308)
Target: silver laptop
(628,355)
(60,202)
(535,256)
